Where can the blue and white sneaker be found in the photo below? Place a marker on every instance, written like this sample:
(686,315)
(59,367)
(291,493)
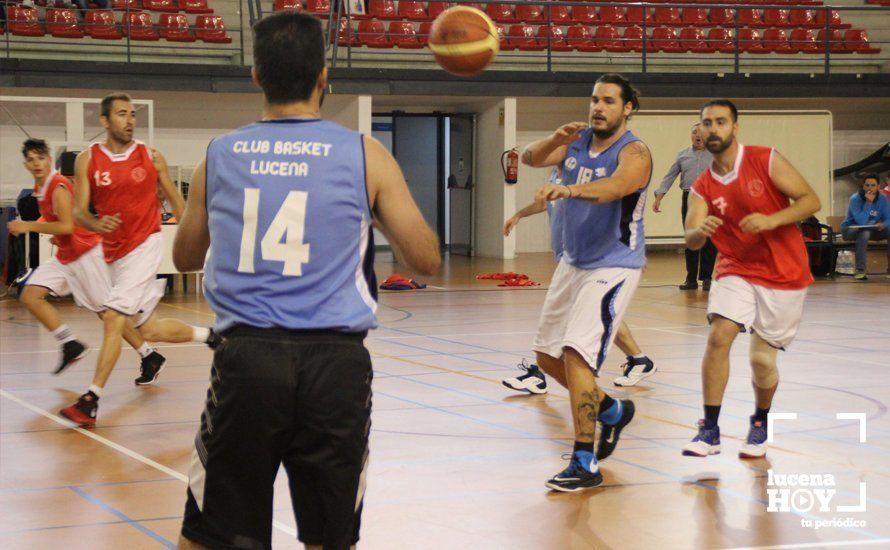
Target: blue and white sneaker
(755,445)
(532,381)
(707,442)
(577,477)
(632,375)
(21,280)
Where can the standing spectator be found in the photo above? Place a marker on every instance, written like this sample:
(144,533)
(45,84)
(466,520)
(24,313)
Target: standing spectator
(867,219)
(885,190)
(690,163)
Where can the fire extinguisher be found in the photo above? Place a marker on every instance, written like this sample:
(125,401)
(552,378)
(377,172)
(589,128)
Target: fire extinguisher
(511,166)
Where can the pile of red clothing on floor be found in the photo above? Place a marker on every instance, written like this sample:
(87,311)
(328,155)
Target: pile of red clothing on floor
(509,279)
(400,282)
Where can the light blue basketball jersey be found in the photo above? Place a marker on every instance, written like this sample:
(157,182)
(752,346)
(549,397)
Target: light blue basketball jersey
(601,235)
(289,228)
(554,211)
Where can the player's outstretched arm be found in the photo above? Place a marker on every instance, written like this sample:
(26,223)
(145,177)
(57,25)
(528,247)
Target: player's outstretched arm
(530,209)
(789,181)
(177,204)
(192,234)
(396,213)
(699,225)
(551,150)
(632,174)
(82,214)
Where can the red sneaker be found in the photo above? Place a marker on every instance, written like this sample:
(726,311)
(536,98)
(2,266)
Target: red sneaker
(83,413)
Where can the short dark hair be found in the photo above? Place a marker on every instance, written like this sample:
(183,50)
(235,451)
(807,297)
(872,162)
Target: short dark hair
(109,100)
(288,56)
(871,176)
(721,103)
(39,146)
(628,92)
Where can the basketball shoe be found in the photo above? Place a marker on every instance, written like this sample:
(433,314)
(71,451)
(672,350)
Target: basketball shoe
(532,381)
(581,473)
(755,445)
(609,433)
(83,413)
(707,442)
(72,352)
(631,375)
(150,368)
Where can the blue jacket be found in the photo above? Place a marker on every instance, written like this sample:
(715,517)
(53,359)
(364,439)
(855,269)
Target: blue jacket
(861,212)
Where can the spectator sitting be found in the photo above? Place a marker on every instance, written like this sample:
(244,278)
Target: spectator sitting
(867,219)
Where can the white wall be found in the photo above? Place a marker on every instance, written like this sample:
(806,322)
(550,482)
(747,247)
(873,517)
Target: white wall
(495,201)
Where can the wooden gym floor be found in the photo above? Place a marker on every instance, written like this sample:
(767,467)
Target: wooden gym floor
(459,461)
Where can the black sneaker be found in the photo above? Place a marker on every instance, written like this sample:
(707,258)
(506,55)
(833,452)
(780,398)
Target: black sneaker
(575,477)
(689,285)
(214,340)
(83,413)
(609,434)
(151,368)
(706,285)
(72,352)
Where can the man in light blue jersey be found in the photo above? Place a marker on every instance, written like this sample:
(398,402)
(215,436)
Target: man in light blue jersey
(606,170)
(637,367)
(285,208)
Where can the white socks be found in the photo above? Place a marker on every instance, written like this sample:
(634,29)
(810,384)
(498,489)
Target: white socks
(200,334)
(95,389)
(63,334)
(145,350)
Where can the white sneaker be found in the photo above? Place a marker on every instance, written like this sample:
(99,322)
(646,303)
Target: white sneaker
(707,442)
(633,375)
(532,381)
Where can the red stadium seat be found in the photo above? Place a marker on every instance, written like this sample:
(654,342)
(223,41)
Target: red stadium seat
(62,23)
(529,13)
(579,38)
(856,41)
(612,15)
(435,8)
(381,9)
(664,39)
(835,41)
(634,15)
(804,41)
(501,13)
(138,26)
(775,18)
(318,7)
(23,21)
(522,37)
(559,15)
(693,40)
(403,35)
(372,34)
(695,16)
(476,5)
(557,39)
(160,5)
(750,18)
(125,5)
(412,11)
(667,16)
(502,38)
(776,41)
(175,28)
(288,5)
(749,41)
(607,37)
(721,16)
(835,20)
(423,33)
(211,28)
(721,40)
(100,24)
(633,39)
(346,34)
(801,18)
(195,6)
(584,14)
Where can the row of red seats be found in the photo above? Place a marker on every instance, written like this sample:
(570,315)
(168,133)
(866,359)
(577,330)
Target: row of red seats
(100,24)
(607,38)
(195,7)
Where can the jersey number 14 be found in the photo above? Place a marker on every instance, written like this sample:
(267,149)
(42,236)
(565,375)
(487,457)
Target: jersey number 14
(288,225)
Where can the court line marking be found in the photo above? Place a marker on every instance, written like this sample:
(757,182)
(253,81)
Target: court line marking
(831,544)
(135,524)
(121,449)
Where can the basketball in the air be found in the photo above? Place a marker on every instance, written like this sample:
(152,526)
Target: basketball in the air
(464,40)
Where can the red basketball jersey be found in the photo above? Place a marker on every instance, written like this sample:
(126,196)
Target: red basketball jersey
(774,259)
(68,247)
(125,184)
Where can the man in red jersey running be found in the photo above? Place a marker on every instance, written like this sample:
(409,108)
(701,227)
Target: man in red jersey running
(78,267)
(121,177)
(744,205)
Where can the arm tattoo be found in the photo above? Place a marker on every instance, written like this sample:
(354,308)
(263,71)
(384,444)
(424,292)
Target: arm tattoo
(639,150)
(588,409)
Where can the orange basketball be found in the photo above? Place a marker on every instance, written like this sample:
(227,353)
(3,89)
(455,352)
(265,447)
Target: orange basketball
(464,40)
